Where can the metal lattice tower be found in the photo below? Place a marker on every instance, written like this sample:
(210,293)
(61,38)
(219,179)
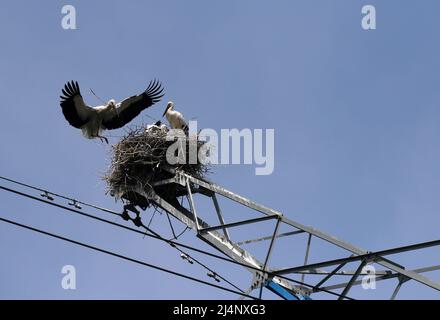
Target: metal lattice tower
(265,273)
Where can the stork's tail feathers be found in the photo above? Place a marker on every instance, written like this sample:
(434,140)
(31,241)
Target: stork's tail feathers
(154,91)
(90,132)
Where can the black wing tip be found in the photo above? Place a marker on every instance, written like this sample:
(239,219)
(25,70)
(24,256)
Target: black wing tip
(71,89)
(154,90)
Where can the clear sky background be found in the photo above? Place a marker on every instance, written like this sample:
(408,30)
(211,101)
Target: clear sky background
(356,118)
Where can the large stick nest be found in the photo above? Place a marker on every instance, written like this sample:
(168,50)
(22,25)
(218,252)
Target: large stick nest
(139,160)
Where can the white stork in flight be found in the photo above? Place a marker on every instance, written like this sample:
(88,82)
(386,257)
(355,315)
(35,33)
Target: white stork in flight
(175,118)
(93,120)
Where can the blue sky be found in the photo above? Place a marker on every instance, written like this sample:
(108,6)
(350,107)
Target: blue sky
(355,113)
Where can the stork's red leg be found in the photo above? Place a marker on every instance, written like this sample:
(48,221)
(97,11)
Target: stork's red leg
(102,138)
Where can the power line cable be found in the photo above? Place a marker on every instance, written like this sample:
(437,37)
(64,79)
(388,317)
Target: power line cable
(82,244)
(152,235)
(170,242)
(57,195)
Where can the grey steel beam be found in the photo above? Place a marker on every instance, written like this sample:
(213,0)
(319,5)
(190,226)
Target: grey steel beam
(306,258)
(341,273)
(268,211)
(353,279)
(285,234)
(215,239)
(376,256)
(319,234)
(193,207)
(370,255)
(342,244)
(386,263)
(269,252)
(410,274)
(238,223)
(231,195)
(219,215)
(384,277)
(272,242)
(327,277)
(397,289)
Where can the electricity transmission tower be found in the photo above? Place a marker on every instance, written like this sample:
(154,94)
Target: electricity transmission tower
(266,274)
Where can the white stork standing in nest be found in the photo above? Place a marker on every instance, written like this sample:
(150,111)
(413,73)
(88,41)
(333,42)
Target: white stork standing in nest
(93,120)
(175,118)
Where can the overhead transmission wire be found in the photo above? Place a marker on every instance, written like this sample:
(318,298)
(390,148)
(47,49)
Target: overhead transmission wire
(82,244)
(153,234)
(58,195)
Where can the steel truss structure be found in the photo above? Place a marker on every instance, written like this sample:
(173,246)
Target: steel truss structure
(264,274)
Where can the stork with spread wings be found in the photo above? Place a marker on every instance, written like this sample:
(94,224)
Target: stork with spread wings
(93,120)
